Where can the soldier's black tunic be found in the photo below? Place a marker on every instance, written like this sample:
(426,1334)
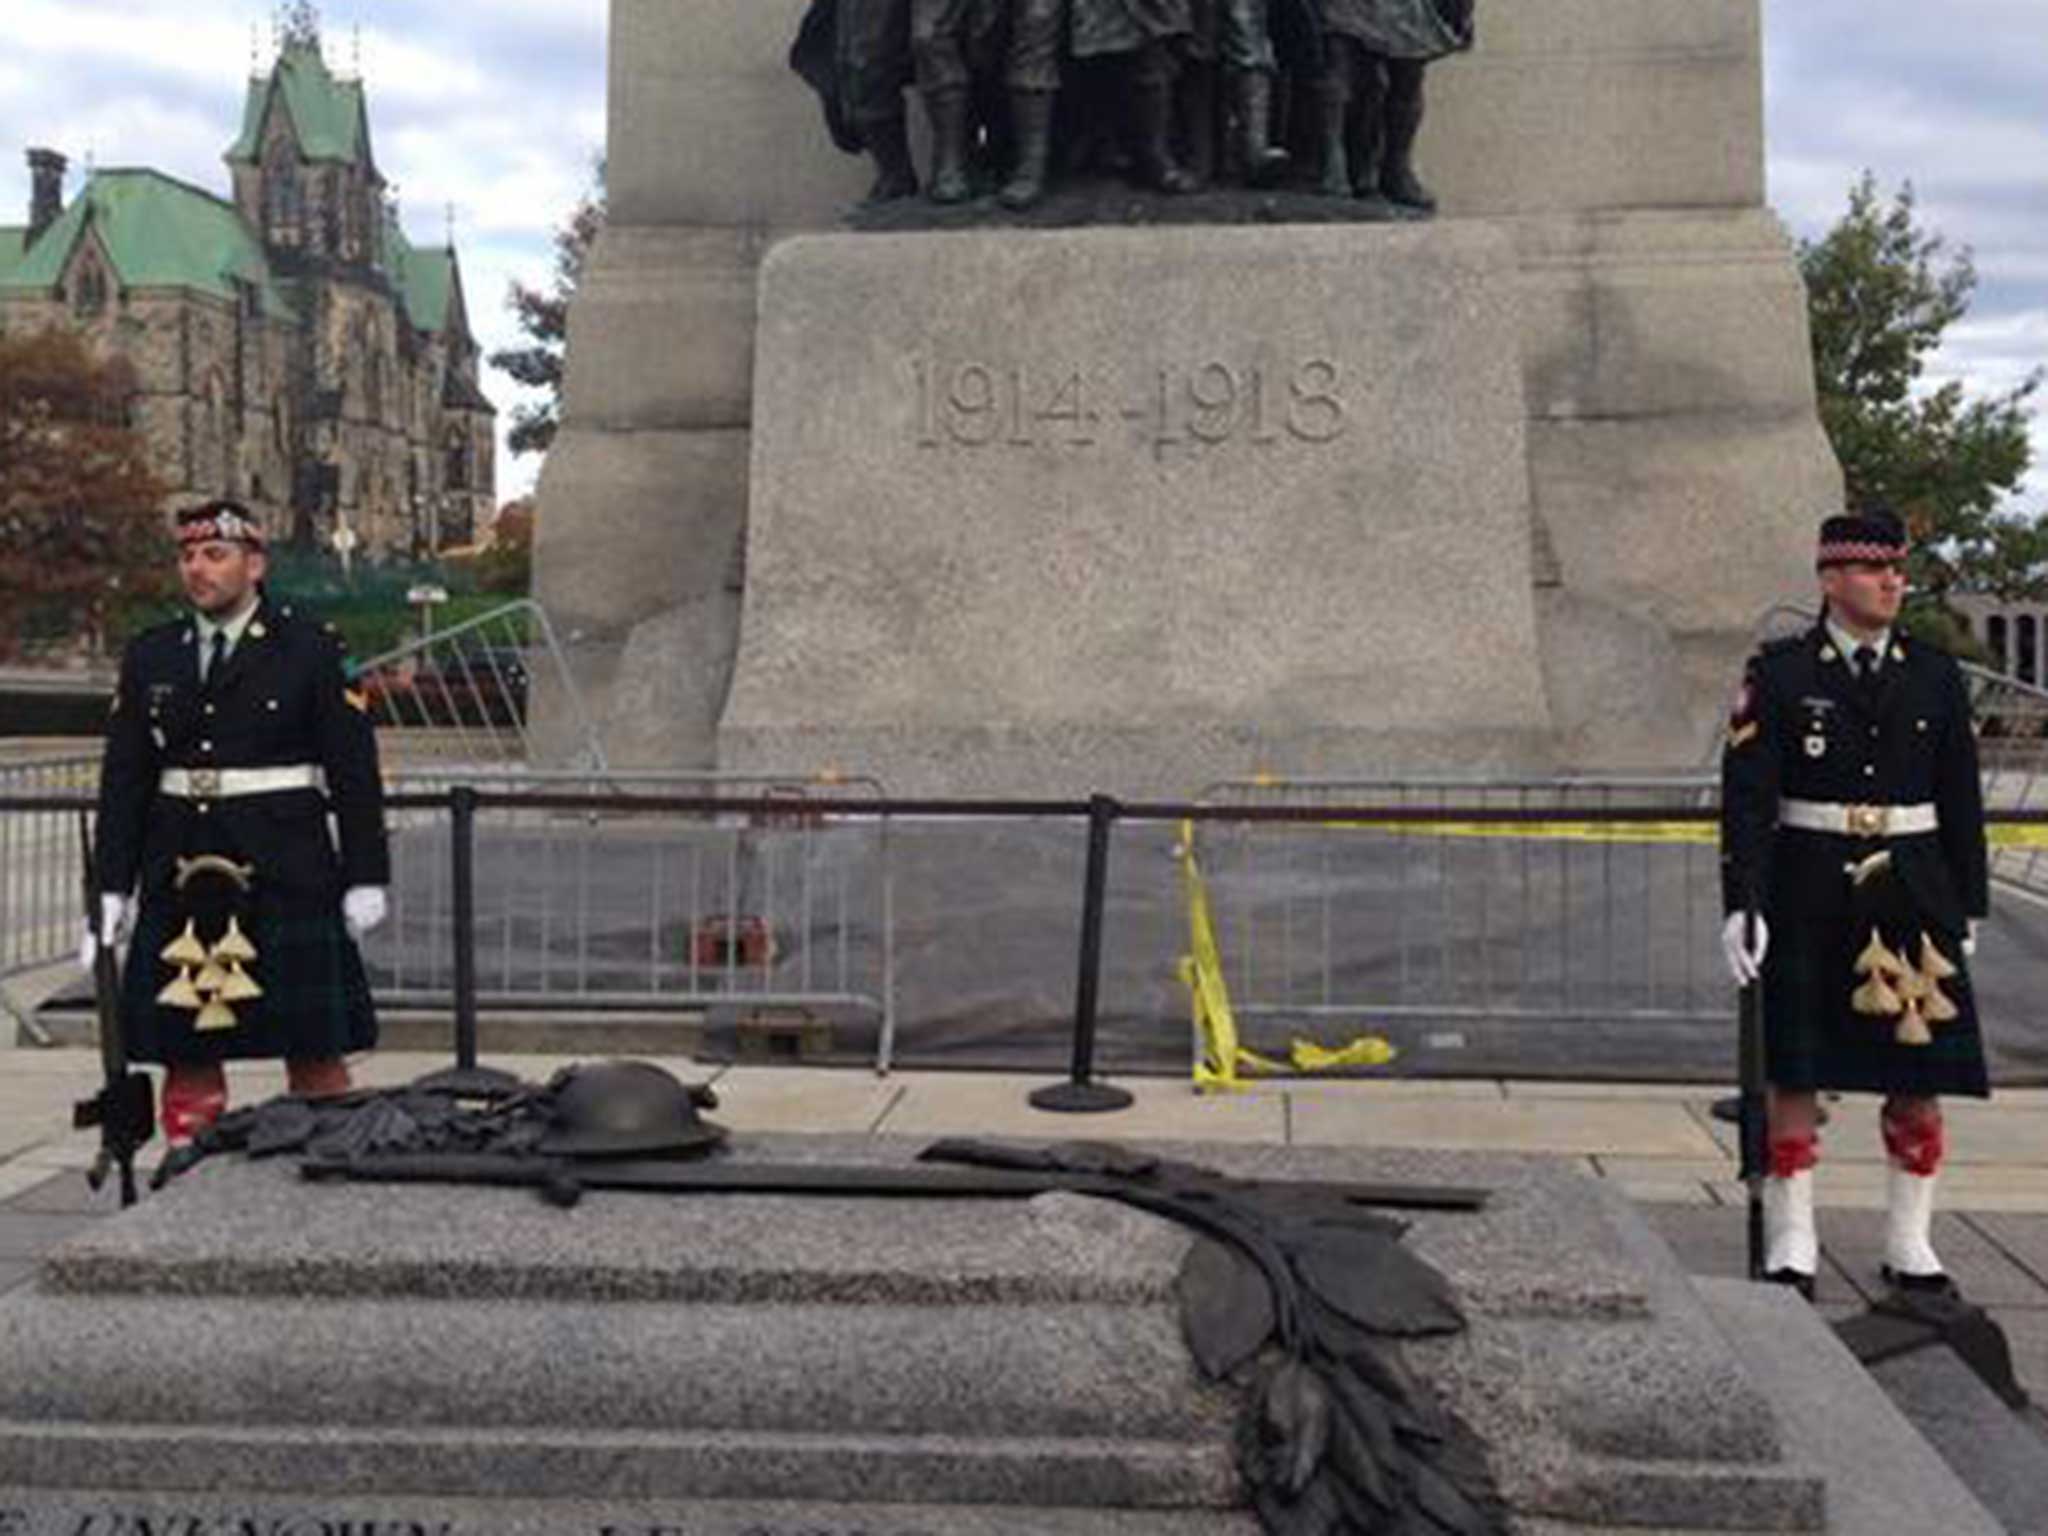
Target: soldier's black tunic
(280,698)
(1804,728)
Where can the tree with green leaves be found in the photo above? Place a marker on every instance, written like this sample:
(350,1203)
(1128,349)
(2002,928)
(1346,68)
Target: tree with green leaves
(1882,291)
(544,317)
(83,540)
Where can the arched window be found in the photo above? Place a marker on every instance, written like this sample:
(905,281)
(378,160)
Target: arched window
(89,289)
(283,200)
(2028,644)
(458,460)
(1994,641)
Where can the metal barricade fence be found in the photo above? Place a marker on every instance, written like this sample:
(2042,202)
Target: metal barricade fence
(1567,916)
(471,694)
(42,891)
(2012,749)
(613,907)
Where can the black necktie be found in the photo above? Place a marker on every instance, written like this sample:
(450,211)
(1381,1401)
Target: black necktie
(215,655)
(1866,666)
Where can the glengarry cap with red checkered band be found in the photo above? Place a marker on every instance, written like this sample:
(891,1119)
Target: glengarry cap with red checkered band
(1873,536)
(224,519)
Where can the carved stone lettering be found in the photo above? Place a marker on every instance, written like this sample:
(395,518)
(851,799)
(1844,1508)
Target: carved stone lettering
(133,1523)
(972,404)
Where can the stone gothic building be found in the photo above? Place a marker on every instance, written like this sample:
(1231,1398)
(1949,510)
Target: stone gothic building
(290,345)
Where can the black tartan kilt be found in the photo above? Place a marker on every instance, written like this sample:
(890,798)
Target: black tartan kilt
(315,1003)
(1813,1037)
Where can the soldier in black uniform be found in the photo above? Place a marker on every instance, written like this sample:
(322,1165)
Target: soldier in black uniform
(234,736)
(1852,828)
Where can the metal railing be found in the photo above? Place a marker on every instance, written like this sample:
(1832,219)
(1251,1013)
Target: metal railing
(468,695)
(589,896)
(1535,901)
(42,895)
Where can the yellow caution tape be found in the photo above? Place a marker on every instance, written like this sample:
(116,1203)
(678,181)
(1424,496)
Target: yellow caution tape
(1545,831)
(1222,1058)
(1997,834)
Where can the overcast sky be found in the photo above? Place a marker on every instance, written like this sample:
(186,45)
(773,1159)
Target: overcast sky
(497,106)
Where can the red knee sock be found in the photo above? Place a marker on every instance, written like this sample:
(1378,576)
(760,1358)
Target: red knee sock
(1914,1136)
(1793,1152)
(195,1093)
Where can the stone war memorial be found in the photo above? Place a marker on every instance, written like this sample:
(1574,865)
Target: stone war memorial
(991,438)
(1128,493)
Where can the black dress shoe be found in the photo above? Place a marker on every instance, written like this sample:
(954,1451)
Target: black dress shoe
(1936,1284)
(1799,1280)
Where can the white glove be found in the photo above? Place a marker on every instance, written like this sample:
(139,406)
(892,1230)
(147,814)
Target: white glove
(1745,963)
(117,916)
(1970,939)
(362,908)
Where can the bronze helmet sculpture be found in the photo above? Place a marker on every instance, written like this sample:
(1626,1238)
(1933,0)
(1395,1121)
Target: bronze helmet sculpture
(625,1109)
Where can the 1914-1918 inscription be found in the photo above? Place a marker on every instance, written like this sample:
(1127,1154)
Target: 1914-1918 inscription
(976,404)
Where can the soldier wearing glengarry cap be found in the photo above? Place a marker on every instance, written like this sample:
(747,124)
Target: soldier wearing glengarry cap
(1853,877)
(234,737)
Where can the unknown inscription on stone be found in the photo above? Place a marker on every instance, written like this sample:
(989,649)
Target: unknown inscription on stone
(116,1521)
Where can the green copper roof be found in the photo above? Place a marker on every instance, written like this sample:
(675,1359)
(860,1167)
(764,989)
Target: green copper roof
(426,280)
(157,231)
(428,285)
(10,250)
(327,114)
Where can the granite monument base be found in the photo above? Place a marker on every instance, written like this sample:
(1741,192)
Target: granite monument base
(1055,511)
(250,1353)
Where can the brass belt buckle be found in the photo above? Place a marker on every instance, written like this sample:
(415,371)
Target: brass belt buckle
(1870,820)
(205,782)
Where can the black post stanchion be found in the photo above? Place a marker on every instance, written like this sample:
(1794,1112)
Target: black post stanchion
(1080,1094)
(465,1079)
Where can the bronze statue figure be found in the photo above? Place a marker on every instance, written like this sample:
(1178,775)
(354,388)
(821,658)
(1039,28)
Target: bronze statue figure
(1182,94)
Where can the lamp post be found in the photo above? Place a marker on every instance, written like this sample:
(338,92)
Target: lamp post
(344,539)
(426,596)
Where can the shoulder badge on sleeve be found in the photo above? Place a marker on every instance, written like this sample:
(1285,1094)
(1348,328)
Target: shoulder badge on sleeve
(1742,721)
(356,700)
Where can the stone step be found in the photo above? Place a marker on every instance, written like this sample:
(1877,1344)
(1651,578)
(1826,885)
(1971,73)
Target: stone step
(556,1463)
(1057,1371)
(102,1511)
(243,1228)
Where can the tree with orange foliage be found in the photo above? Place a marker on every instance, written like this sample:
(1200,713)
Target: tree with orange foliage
(81,521)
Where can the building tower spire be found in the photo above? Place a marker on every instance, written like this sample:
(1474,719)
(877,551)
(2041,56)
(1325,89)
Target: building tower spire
(301,25)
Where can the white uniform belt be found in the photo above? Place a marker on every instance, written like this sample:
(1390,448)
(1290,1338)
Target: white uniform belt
(226,783)
(1857,820)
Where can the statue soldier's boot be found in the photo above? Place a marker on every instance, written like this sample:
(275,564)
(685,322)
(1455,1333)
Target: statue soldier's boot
(1031,127)
(1155,138)
(1333,105)
(1791,1246)
(1264,161)
(1195,103)
(888,142)
(948,113)
(1401,122)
